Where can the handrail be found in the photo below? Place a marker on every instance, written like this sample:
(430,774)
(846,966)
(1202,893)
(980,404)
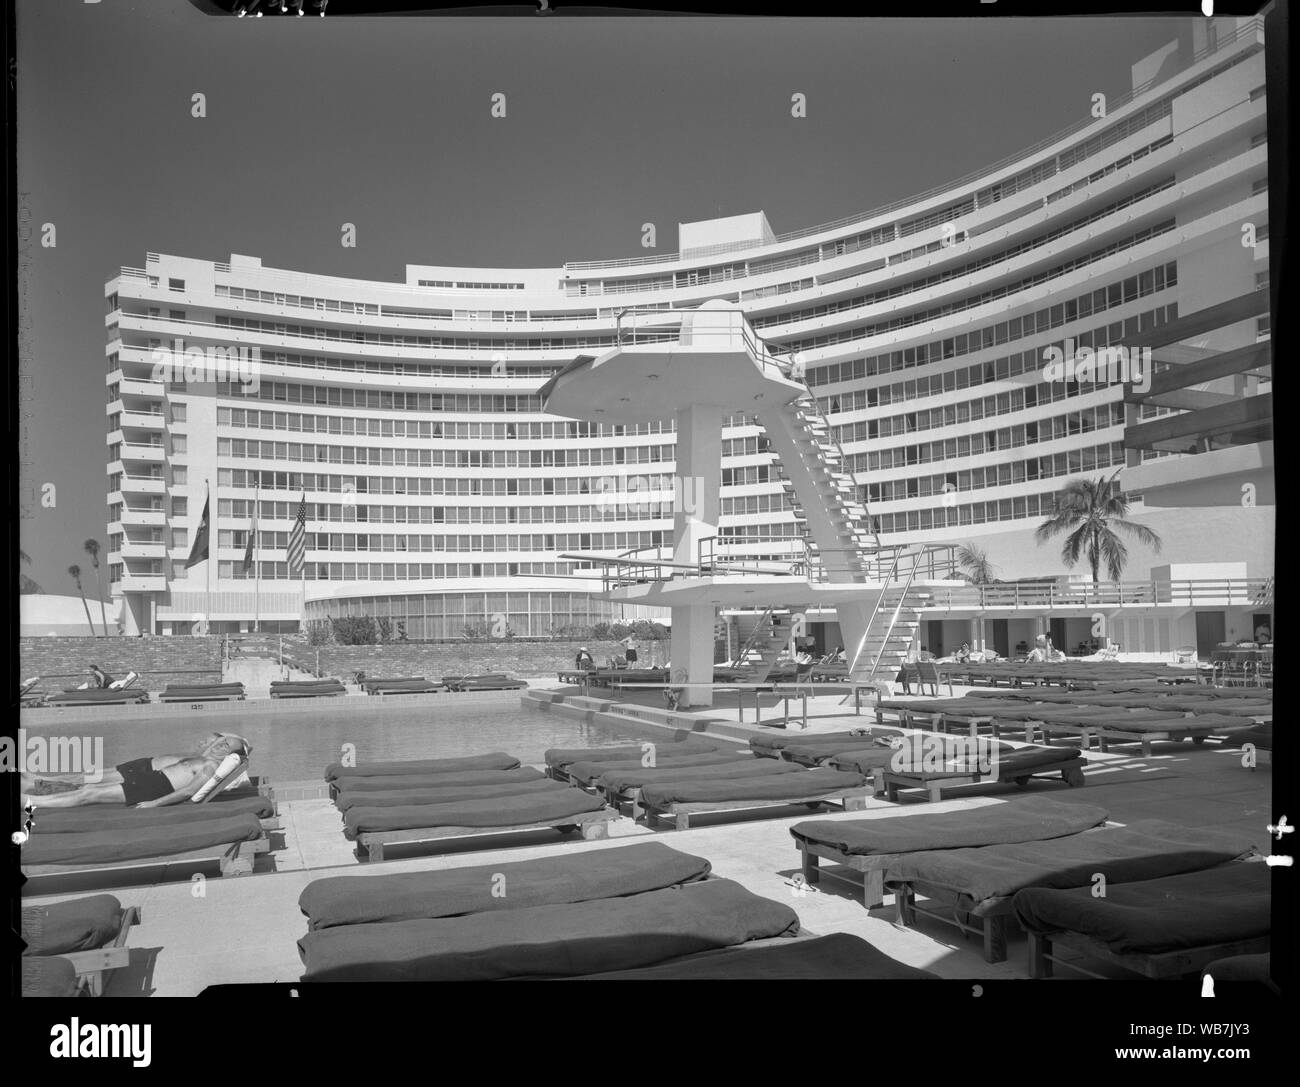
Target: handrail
(874,611)
(749,642)
(898,610)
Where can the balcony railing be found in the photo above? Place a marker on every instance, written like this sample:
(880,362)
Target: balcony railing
(1198,592)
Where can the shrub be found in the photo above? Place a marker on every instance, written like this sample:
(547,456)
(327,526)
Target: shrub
(355,630)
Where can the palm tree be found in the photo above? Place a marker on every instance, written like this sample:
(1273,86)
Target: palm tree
(975,563)
(1090,511)
(26,584)
(74,572)
(91,548)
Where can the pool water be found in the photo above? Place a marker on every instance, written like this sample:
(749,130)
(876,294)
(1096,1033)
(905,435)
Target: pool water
(298,746)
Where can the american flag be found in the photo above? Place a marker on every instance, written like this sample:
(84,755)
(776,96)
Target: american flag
(298,538)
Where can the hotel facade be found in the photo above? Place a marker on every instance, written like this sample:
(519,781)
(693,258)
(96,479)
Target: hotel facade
(441,496)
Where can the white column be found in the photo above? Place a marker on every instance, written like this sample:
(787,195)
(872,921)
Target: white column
(695,517)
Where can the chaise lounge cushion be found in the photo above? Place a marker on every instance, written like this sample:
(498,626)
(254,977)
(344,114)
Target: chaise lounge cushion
(577,877)
(138,843)
(587,772)
(393,782)
(1026,819)
(1143,850)
(750,767)
(548,941)
(434,793)
(496,811)
(496,760)
(1223,904)
(562,757)
(44,976)
(107,817)
(774,788)
(80,924)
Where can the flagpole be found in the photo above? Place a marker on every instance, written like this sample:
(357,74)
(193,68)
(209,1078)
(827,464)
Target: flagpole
(257,566)
(302,606)
(212,557)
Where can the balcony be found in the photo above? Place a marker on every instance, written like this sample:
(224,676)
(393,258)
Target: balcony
(143,583)
(145,420)
(133,386)
(143,485)
(154,517)
(143,549)
(148,453)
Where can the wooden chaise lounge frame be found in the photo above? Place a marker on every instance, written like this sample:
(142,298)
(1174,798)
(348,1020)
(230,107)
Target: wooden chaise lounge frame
(592,824)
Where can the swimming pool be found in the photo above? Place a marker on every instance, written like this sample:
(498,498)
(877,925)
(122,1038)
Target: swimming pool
(298,746)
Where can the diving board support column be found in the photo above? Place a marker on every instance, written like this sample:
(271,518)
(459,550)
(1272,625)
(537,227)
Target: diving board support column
(696,505)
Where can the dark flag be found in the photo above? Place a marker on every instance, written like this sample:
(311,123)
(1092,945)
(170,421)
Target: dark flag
(199,552)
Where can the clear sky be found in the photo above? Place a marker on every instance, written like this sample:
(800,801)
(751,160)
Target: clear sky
(385,123)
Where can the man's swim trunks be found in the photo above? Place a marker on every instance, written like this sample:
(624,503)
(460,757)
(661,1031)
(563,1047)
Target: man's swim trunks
(140,781)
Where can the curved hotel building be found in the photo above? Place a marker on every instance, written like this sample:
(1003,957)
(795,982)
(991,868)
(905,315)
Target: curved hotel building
(439,493)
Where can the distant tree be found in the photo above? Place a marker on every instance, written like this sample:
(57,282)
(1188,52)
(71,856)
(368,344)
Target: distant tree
(975,564)
(384,629)
(91,547)
(1090,511)
(25,584)
(74,572)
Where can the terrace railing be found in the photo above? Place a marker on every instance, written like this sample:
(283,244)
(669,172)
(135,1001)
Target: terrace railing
(1190,592)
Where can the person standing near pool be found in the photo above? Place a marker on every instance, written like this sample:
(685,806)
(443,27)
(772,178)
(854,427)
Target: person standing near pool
(584,661)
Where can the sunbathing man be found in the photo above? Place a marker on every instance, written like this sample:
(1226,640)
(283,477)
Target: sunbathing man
(141,783)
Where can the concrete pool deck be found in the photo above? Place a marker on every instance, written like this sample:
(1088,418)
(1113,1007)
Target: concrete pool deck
(209,931)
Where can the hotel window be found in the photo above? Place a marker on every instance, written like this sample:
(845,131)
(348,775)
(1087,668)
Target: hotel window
(180,475)
(180,537)
(176,284)
(180,507)
(179,443)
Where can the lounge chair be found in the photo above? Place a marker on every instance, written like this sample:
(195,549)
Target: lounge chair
(987,761)
(452,892)
(559,759)
(691,796)
(584,774)
(228,827)
(98,696)
(443,790)
(979,884)
(308,688)
(1143,727)
(230,842)
(1165,927)
(406,685)
(771,746)
(375,827)
(494,760)
(203,692)
(489,681)
(564,940)
(620,786)
(90,934)
(869,846)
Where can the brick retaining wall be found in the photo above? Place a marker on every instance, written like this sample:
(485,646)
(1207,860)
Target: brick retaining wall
(435,660)
(158,660)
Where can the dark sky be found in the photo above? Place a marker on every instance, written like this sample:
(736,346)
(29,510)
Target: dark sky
(385,123)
